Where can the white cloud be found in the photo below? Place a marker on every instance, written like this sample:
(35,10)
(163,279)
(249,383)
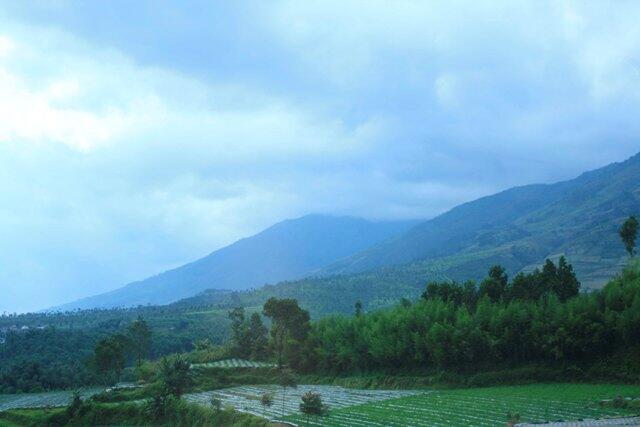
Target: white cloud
(6,45)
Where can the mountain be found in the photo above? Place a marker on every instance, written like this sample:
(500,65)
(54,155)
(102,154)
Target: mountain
(288,250)
(519,228)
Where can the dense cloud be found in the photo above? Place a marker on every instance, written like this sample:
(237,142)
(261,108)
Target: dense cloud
(137,136)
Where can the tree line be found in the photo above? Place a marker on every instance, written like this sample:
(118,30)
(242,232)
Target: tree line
(464,326)
(538,316)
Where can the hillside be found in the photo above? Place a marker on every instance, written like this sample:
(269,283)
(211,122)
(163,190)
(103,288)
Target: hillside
(519,228)
(288,250)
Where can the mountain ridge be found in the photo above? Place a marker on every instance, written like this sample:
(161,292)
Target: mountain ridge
(536,220)
(286,250)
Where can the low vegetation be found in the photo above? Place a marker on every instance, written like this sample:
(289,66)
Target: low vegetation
(484,406)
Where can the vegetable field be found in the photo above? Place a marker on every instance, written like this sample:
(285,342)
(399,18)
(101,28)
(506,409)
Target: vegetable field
(234,363)
(247,398)
(41,400)
(482,406)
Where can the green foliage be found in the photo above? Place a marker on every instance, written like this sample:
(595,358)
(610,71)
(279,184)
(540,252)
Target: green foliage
(249,336)
(495,286)
(109,358)
(438,333)
(171,412)
(48,351)
(559,281)
(629,234)
(45,359)
(145,372)
(290,326)
(140,335)
(312,405)
(174,375)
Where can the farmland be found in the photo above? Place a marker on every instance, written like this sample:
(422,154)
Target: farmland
(482,406)
(436,407)
(247,398)
(40,400)
(234,363)
(459,407)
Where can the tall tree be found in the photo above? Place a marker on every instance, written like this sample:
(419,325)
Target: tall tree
(257,337)
(109,358)
(140,335)
(239,333)
(289,330)
(567,285)
(629,233)
(495,284)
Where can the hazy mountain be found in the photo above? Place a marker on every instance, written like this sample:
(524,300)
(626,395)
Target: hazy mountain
(519,228)
(288,250)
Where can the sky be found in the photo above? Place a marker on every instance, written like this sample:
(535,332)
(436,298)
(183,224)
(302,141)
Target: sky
(137,136)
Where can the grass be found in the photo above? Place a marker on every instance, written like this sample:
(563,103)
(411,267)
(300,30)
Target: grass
(484,406)
(26,417)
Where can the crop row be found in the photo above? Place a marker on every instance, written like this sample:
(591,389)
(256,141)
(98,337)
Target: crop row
(477,407)
(234,363)
(42,400)
(247,398)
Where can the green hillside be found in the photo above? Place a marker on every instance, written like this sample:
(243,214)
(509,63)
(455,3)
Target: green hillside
(519,228)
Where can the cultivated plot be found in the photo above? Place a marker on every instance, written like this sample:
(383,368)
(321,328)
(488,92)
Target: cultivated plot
(247,398)
(613,422)
(481,407)
(234,363)
(42,400)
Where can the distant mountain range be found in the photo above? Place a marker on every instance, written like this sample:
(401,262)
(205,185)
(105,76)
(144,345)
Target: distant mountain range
(288,250)
(518,228)
(329,262)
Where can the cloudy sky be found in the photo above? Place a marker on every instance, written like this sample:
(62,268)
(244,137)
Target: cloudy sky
(135,136)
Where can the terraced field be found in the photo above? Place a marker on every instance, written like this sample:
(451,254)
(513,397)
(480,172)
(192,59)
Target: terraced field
(482,407)
(247,398)
(40,400)
(234,363)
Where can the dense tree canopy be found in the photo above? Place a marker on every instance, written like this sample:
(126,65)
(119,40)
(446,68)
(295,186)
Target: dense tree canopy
(457,326)
(290,326)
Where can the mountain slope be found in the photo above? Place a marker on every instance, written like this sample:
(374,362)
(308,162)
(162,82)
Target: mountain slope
(519,228)
(288,250)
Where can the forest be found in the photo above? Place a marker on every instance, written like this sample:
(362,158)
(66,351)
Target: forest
(538,317)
